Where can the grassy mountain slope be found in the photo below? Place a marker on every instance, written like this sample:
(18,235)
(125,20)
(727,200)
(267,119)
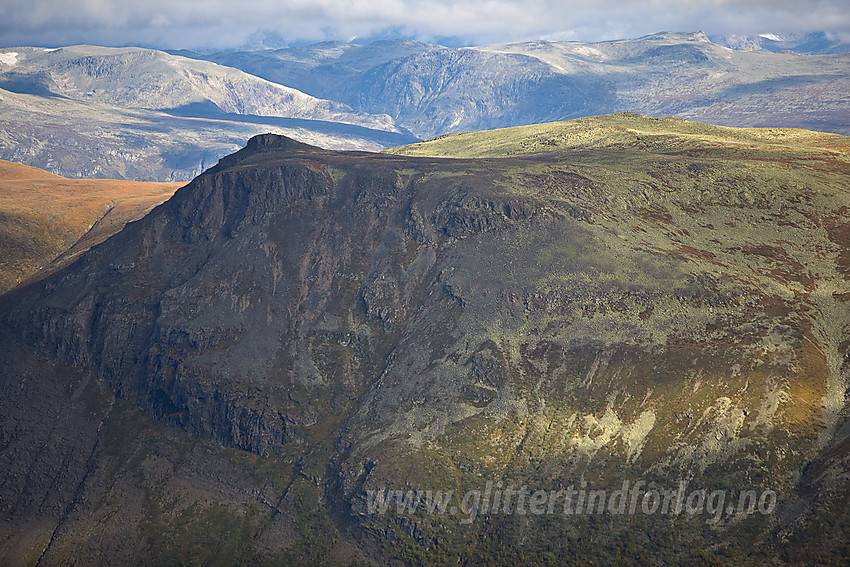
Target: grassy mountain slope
(581,304)
(43,216)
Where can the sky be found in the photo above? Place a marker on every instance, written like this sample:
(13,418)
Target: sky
(210,25)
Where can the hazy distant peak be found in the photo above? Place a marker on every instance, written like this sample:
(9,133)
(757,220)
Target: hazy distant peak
(675,36)
(813,43)
(133,77)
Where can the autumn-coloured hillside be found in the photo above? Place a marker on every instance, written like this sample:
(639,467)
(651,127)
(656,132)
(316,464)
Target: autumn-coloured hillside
(44,216)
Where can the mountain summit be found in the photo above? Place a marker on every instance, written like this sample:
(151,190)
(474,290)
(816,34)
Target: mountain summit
(600,304)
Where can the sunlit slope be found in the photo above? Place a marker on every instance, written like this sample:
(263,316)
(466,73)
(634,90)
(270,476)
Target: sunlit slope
(627,132)
(43,215)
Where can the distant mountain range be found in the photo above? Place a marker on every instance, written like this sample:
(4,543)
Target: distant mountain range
(432,90)
(145,114)
(818,43)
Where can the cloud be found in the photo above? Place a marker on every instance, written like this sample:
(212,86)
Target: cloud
(219,24)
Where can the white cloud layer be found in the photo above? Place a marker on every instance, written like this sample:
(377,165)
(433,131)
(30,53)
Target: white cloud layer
(219,24)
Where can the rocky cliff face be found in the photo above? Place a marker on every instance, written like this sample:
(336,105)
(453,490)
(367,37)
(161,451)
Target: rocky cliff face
(589,302)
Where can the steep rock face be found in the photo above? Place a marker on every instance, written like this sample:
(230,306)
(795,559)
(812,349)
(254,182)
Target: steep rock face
(597,301)
(137,322)
(447,90)
(206,309)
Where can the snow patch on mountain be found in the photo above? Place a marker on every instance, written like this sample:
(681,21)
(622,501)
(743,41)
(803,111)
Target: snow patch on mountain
(10,58)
